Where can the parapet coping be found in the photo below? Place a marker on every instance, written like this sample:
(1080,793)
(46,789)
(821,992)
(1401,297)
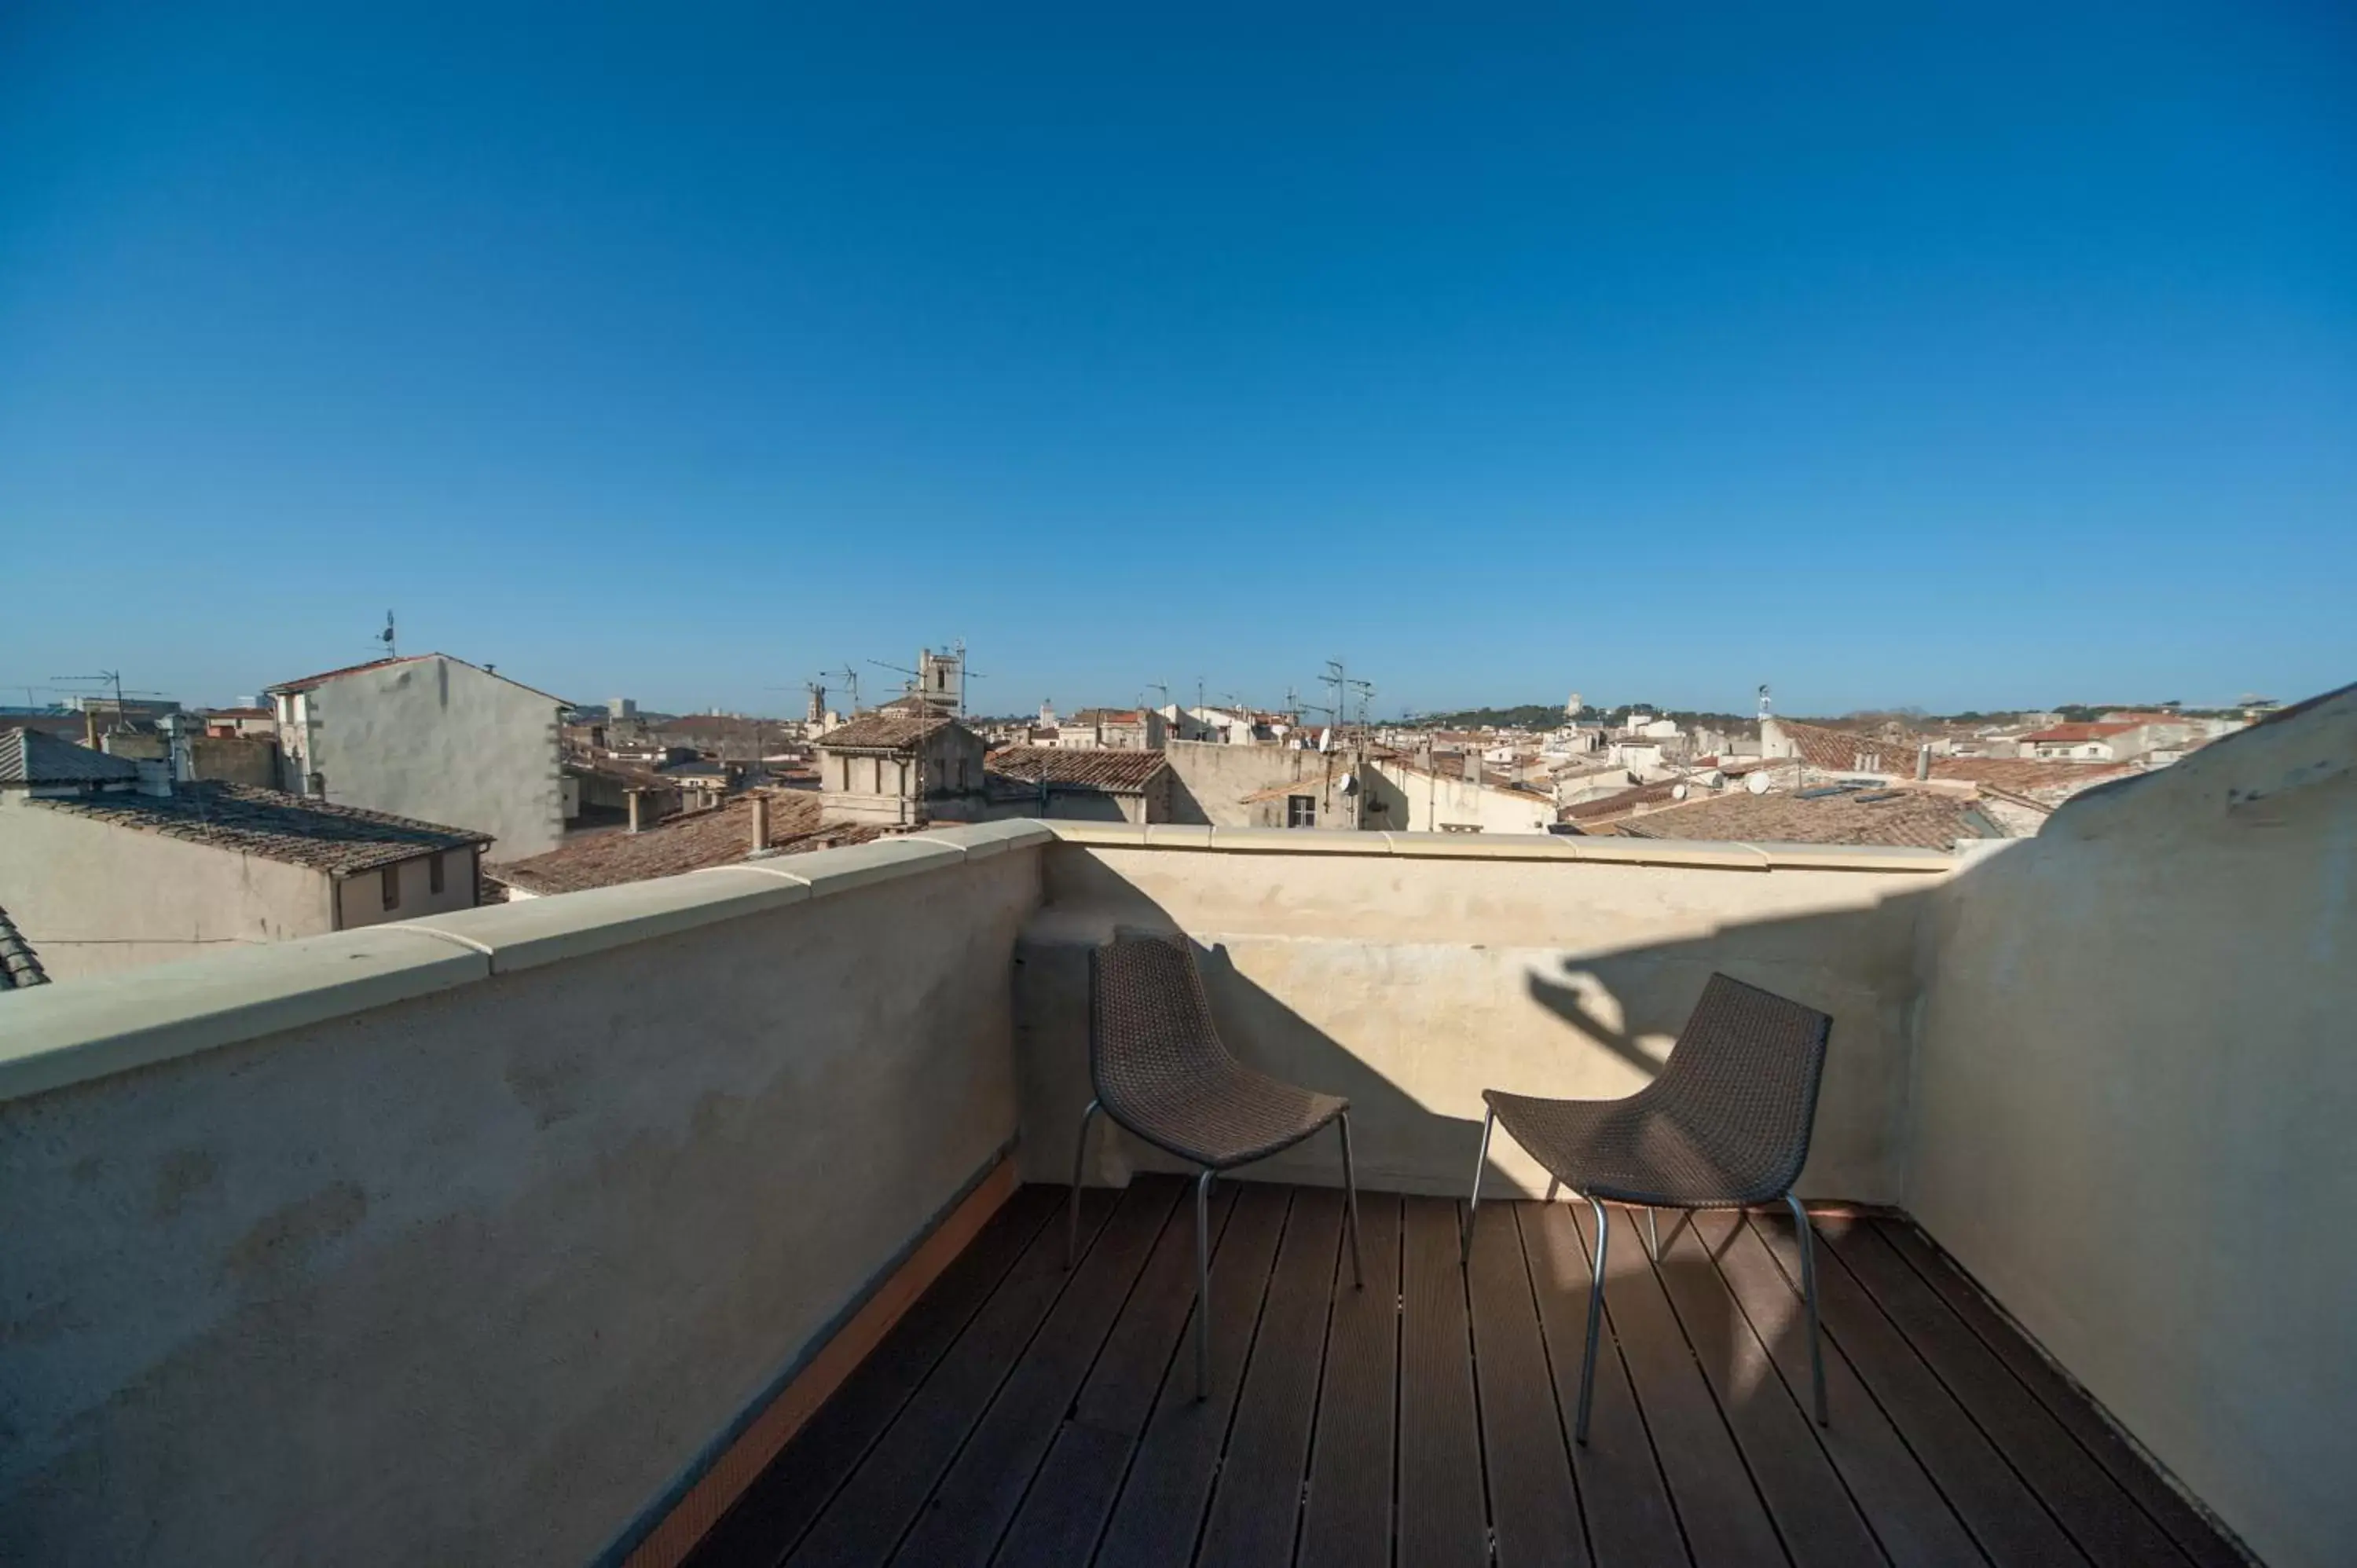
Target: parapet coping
(52,1037)
(1712,855)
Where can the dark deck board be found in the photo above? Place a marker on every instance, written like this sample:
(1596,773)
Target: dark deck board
(1717,1502)
(1022,1413)
(864,1522)
(2184,1525)
(777,1507)
(1812,1509)
(1073,1491)
(2005,1517)
(1534,1505)
(2103,1521)
(962,1521)
(1908,1515)
(1159,1514)
(1441,1511)
(1256,1507)
(1347,1521)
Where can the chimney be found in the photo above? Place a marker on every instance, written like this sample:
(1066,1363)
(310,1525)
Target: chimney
(760,822)
(1923,760)
(636,799)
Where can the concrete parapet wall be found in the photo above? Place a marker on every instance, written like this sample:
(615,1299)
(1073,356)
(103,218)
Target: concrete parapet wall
(461,1241)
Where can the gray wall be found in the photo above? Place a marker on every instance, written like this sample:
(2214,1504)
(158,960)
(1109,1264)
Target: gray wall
(2133,1111)
(472,1277)
(94,898)
(441,741)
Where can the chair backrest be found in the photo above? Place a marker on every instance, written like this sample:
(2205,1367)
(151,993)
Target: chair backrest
(1743,1080)
(1150,1022)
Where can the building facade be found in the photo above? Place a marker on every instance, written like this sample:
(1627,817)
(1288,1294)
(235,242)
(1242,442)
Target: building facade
(900,770)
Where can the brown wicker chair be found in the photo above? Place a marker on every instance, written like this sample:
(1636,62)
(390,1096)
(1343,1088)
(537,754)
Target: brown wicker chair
(1726,1125)
(1161,1071)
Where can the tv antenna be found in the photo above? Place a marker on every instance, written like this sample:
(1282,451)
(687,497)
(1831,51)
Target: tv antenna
(850,679)
(385,637)
(106,678)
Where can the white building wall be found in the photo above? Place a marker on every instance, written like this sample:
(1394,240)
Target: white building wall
(444,742)
(1435,802)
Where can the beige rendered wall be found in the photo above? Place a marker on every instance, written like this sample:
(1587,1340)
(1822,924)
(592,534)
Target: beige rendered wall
(1431,802)
(392,1246)
(2134,1106)
(441,741)
(361,899)
(94,898)
(1412,972)
(1210,779)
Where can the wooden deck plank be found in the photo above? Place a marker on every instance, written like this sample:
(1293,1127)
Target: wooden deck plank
(864,1522)
(2004,1516)
(1621,1493)
(1910,1518)
(961,1522)
(776,1508)
(2072,1408)
(1534,1505)
(2103,1521)
(1811,1506)
(1725,1520)
(1256,1502)
(1443,1518)
(1347,1521)
(1065,1511)
(1159,1513)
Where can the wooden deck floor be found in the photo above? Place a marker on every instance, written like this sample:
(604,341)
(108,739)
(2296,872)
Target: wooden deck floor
(1022,1414)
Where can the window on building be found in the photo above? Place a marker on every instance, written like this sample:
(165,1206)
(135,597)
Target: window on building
(391,878)
(1301,810)
(434,874)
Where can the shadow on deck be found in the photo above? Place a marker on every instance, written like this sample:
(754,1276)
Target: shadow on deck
(1022,1414)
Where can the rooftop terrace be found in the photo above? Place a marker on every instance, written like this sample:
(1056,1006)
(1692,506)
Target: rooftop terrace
(707,1212)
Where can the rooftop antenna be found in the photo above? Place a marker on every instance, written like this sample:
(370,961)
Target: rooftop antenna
(110,678)
(385,637)
(1763,700)
(850,679)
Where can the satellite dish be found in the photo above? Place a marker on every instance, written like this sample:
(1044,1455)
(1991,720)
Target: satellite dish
(1324,740)
(1757,783)
(1678,791)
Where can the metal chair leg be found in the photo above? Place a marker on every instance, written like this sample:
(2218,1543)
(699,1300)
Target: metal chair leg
(1203,1285)
(1465,1254)
(1080,1158)
(1809,1291)
(1595,1319)
(1351,1189)
(1652,1235)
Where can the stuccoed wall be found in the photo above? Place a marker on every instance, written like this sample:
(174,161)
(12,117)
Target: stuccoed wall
(1412,972)
(2134,1107)
(1209,780)
(441,741)
(94,898)
(392,1246)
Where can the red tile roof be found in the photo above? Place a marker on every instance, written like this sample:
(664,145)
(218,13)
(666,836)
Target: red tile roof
(721,836)
(2049,781)
(883,731)
(247,820)
(1918,818)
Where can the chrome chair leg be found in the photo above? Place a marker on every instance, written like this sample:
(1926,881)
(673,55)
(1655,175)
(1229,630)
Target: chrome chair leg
(1350,1190)
(1203,1285)
(1809,1291)
(1595,1319)
(1652,1235)
(1080,1158)
(1465,1252)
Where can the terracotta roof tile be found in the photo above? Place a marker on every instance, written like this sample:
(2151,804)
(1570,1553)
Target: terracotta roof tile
(244,820)
(1115,772)
(722,836)
(883,731)
(1916,818)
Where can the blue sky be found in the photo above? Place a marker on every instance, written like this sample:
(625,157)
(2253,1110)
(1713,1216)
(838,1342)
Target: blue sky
(1893,354)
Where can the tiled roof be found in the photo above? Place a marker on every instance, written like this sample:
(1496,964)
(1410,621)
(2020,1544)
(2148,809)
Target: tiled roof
(1917,817)
(2060,734)
(236,714)
(883,731)
(30,757)
(244,820)
(1615,805)
(1116,772)
(721,836)
(1109,717)
(19,968)
(1837,750)
(2053,782)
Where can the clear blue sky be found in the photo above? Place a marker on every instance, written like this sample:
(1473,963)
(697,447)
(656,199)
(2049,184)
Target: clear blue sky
(1957,357)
